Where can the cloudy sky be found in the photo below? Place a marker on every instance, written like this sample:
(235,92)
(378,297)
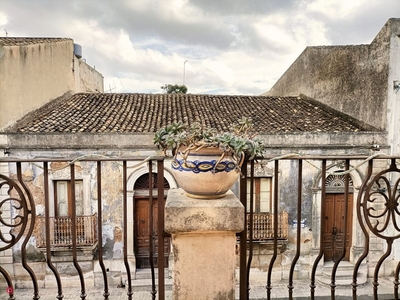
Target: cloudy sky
(230,46)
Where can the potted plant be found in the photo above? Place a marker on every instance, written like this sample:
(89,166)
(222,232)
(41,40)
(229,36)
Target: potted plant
(206,163)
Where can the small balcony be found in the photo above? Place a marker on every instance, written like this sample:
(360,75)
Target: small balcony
(263,226)
(61,231)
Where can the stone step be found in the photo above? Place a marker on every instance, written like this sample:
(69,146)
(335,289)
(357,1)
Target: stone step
(146,284)
(146,273)
(344,274)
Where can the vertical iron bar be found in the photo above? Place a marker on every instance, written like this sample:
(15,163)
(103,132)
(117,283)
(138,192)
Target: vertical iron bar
(273,258)
(375,282)
(321,230)
(151,234)
(345,229)
(31,210)
(10,287)
(47,223)
(73,229)
(251,223)
(299,202)
(243,284)
(161,236)
(396,282)
(365,231)
(100,231)
(125,204)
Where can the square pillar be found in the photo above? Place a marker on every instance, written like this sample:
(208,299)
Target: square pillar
(204,242)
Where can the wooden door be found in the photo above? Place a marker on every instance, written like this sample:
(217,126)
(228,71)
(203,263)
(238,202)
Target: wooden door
(334,226)
(142,234)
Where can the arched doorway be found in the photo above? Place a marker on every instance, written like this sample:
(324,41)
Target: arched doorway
(335,218)
(142,221)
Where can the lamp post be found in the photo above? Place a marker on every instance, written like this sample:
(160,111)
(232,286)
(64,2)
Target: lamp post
(184,70)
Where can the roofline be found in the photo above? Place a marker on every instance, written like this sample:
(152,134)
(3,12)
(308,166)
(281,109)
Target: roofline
(140,141)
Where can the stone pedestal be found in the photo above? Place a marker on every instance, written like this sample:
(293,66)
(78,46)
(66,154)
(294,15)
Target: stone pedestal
(203,241)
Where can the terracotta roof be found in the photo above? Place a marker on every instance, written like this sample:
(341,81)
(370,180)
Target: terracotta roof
(24,41)
(101,113)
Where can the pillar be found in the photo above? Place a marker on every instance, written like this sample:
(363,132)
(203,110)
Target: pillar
(204,241)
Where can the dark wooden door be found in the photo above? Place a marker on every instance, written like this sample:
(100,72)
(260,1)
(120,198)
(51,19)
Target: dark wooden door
(334,226)
(142,234)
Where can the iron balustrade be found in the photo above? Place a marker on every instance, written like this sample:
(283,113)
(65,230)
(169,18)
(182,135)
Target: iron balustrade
(263,226)
(376,215)
(61,231)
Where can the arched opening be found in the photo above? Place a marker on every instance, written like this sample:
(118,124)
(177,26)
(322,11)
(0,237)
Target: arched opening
(142,229)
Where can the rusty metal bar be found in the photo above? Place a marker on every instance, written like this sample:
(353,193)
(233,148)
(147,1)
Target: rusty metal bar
(74,236)
(274,255)
(10,287)
(86,158)
(151,233)
(243,283)
(161,235)
(251,220)
(321,244)
(100,231)
(364,229)
(339,259)
(30,210)
(298,232)
(125,204)
(47,228)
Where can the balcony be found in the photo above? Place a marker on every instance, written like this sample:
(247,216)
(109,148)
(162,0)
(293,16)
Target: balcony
(61,231)
(263,226)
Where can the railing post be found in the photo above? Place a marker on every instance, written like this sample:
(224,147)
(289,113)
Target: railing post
(204,241)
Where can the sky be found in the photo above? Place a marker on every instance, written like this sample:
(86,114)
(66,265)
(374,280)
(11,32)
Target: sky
(232,47)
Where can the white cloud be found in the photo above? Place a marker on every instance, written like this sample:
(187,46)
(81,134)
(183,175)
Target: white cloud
(238,49)
(335,9)
(3,19)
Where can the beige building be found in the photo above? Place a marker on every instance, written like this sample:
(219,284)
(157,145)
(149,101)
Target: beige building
(34,71)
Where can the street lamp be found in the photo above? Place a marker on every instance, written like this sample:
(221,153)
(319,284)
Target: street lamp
(184,67)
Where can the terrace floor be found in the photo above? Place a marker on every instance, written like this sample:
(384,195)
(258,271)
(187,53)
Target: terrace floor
(279,292)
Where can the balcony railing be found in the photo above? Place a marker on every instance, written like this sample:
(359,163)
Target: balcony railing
(61,231)
(370,184)
(263,226)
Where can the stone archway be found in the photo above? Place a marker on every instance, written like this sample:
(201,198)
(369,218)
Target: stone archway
(131,193)
(334,187)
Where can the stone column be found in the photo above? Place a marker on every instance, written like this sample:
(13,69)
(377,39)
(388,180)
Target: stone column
(204,242)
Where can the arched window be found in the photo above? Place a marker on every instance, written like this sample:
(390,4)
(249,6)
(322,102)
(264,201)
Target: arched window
(142,183)
(334,180)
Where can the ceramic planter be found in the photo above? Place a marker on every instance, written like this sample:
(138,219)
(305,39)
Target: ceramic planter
(199,176)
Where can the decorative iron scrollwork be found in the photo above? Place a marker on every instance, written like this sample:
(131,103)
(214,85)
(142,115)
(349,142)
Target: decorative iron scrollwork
(15,224)
(380,204)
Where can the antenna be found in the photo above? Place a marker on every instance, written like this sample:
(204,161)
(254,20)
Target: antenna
(6,32)
(110,89)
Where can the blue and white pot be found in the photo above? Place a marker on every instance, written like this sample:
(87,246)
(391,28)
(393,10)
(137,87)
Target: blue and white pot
(199,176)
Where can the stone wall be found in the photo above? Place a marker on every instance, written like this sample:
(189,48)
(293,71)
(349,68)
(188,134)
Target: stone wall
(353,79)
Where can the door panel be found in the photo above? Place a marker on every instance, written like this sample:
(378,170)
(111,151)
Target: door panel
(334,226)
(142,239)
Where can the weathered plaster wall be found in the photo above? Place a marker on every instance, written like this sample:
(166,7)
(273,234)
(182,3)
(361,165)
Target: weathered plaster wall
(34,74)
(351,79)
(87,79)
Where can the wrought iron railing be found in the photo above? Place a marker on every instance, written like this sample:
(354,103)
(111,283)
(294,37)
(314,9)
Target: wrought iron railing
(375,209)
(61,231)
